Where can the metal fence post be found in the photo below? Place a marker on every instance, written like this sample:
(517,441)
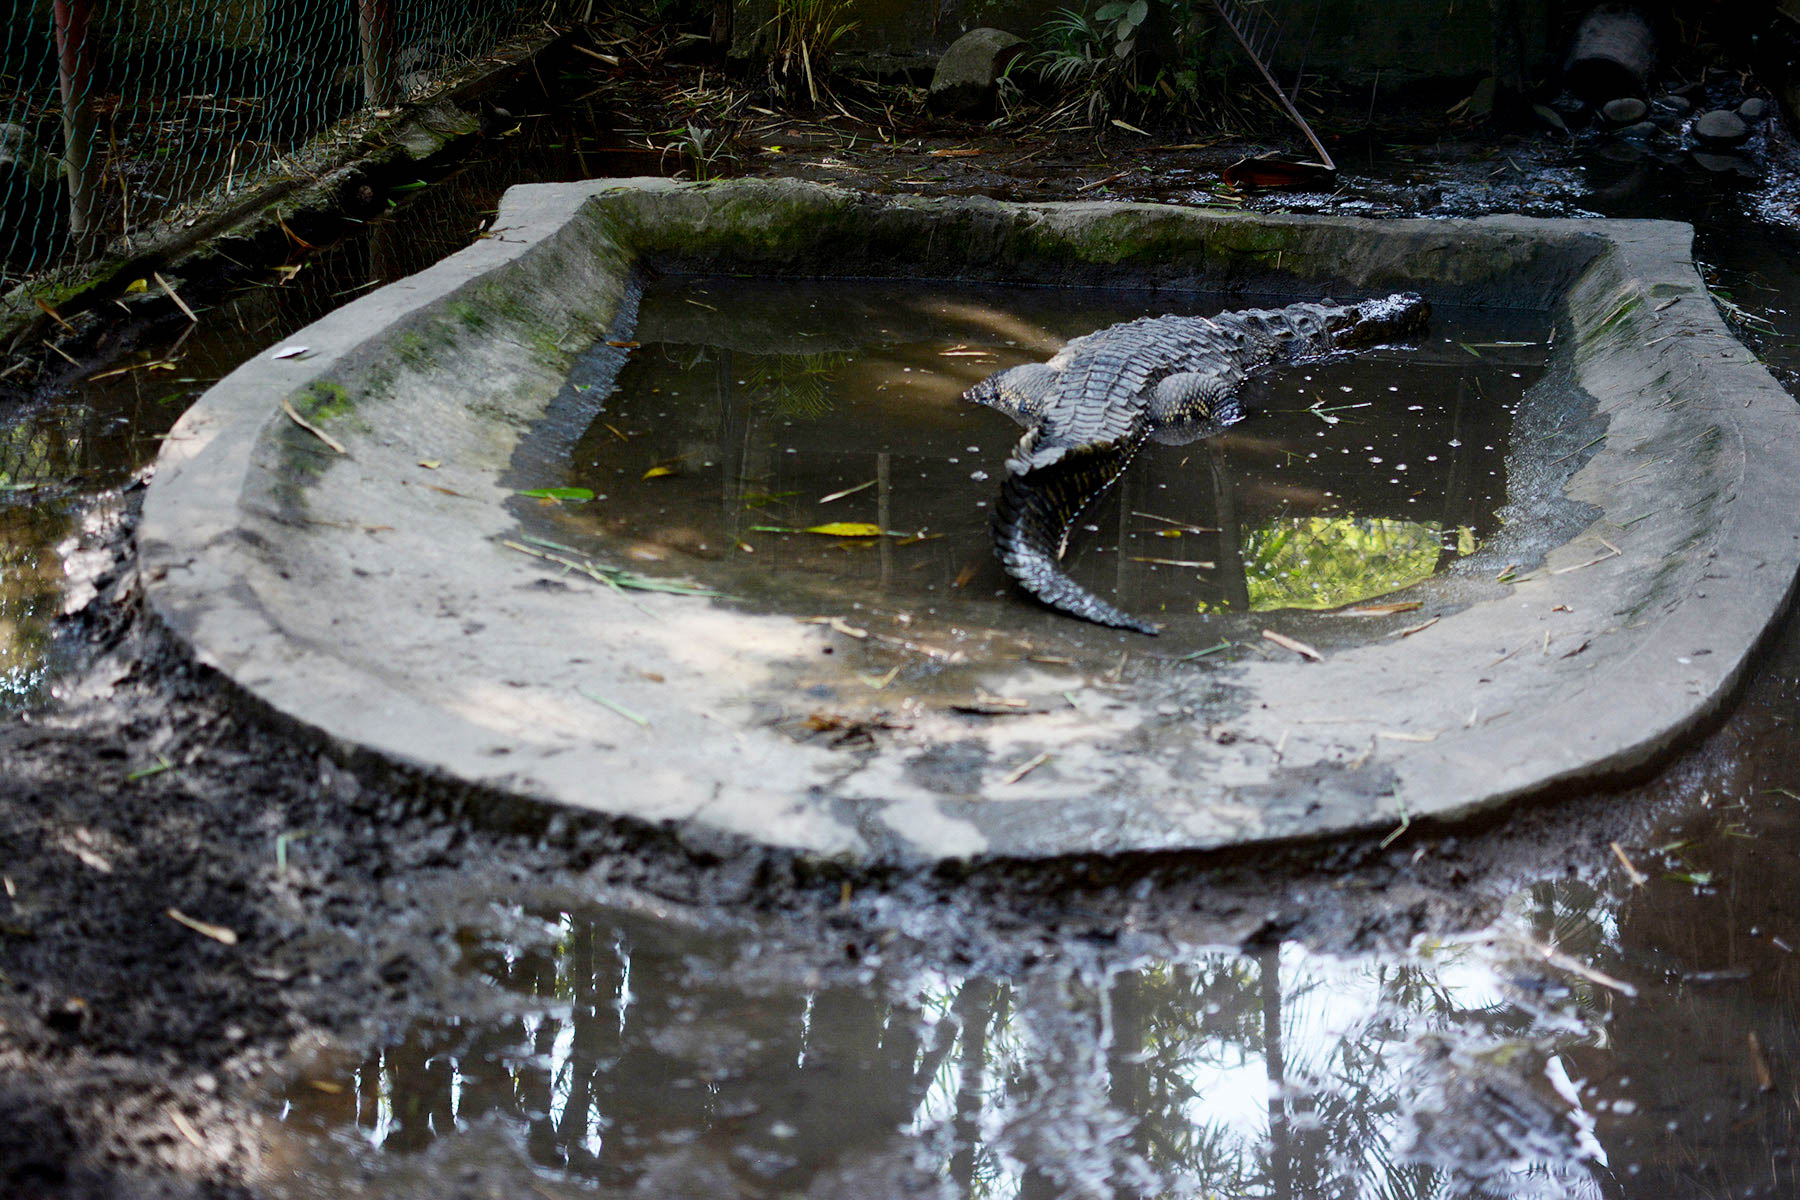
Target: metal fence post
(375,22)
(75,75)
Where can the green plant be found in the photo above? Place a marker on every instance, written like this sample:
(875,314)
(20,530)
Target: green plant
(802,33)
(1094,59)
(704,149)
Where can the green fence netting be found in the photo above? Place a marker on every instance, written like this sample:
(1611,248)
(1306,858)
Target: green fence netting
(113,113)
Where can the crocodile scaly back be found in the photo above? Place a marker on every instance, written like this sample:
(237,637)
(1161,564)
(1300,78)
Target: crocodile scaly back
(1090,408)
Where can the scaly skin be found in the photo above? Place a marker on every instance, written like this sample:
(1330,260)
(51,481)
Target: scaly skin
(1090,409)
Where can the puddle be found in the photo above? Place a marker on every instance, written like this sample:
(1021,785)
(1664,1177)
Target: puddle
(1279,1073)
(1603,1037)
(755,420)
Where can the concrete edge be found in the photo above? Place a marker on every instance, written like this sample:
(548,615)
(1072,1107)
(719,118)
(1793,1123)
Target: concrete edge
(211,451)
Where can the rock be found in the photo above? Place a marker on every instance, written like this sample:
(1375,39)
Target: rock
(1723,164)
(1640,131)
(1625,110)
(1720,127)
(1675,103)
(1753,109)
(969,70)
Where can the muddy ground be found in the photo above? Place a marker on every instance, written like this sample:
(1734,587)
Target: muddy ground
(197,901)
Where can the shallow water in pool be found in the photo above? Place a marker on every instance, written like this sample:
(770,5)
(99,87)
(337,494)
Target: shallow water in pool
(798,443)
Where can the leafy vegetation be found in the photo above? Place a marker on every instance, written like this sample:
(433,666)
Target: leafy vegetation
(803,33)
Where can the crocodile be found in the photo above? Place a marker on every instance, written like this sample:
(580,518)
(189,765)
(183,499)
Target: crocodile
(1090,409)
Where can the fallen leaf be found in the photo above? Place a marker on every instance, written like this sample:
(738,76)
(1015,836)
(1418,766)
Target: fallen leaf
(846,529)
(657,472)
(291,352)
(430,464)
(576,494)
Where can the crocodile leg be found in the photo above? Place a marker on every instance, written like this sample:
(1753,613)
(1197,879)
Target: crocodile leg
(1019,391)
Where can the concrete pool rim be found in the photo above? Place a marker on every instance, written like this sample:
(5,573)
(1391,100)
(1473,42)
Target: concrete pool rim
(369,597)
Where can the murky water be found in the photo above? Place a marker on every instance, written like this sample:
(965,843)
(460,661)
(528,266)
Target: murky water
(800,444)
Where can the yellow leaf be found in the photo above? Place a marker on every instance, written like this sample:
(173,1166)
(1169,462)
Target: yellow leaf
(430,464)
(654,472)
(846,529)
(137,285)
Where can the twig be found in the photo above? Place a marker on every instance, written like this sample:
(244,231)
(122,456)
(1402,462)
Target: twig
(307,425)
(1638,878)
(1027,767)
(1298,647)
(179,302)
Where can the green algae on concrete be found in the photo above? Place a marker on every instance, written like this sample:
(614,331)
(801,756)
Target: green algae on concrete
(396,620)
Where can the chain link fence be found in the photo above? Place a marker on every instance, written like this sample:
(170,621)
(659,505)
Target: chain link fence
(114,114)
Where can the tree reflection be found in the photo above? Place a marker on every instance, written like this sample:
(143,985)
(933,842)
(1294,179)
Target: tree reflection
(1277,1074)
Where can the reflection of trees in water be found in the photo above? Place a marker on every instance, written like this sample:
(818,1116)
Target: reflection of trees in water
(37,452)
(1323,562)
(1274,1075)
(793,387)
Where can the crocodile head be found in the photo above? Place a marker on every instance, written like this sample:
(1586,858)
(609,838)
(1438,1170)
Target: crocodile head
(1371,322)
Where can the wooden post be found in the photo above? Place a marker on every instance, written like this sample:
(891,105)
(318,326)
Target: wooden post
(75,75)
(375,21)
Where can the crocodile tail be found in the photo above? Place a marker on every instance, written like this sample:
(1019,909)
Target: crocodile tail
(1037,509)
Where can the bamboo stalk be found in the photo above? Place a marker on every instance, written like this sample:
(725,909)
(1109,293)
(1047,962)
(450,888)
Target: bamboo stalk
(1224,7)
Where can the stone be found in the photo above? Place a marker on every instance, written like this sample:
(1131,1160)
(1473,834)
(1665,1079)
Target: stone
(1723,164)
(1640,131)
(1720,127)
(1753,109)
(1624,111)
(1674,103)
(970,70)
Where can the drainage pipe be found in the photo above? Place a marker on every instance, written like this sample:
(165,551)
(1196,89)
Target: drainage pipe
(1611,55)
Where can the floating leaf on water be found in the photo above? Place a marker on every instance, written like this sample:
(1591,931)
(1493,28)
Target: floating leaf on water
(849,491)
(846,529)
(575,494)
(659,470)
(1466,541)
